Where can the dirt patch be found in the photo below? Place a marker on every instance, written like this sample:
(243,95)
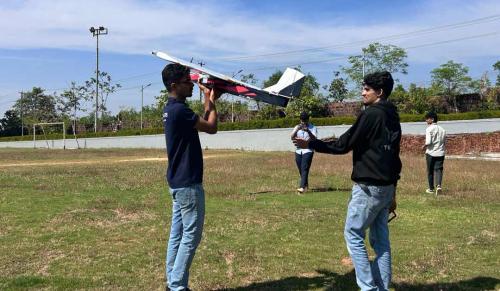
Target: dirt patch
(346,262)
(49,257)
(229,258)
(119,160)
(97,161)
(99,218)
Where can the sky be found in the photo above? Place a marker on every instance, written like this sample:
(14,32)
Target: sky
(47,43)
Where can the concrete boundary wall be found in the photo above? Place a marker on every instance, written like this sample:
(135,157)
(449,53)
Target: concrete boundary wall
(257,140)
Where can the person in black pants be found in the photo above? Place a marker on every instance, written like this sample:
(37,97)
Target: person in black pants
(434,168)
(303,157)
(435,140)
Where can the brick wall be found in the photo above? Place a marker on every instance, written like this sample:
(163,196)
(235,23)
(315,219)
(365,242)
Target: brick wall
(457,144)
(344,108)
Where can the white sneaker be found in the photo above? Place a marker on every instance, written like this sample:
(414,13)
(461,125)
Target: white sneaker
(438,190)
(301,190)
(429,191)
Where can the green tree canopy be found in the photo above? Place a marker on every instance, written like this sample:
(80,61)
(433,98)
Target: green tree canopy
(249,78)
(273,79)
(337,91)
(375,57)
(161,99)
(69,102)
(309,99)
(496,67)
(252,80)
(10,125)
(451,78)
(106,87)
(36,106)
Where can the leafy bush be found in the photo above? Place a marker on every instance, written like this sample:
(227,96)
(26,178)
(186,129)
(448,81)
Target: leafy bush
(275,123)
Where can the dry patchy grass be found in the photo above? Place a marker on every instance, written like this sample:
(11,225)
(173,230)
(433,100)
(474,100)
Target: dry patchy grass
(103,225)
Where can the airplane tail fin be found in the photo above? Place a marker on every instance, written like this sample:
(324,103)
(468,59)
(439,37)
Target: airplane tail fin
(289,84)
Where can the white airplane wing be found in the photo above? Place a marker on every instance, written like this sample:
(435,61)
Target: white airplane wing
(201,69)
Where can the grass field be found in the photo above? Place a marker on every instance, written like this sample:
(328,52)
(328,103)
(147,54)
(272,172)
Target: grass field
(98,219)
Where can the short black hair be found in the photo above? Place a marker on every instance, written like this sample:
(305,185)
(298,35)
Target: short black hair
(380,80)
(304,116)
(432,115)
(173,73)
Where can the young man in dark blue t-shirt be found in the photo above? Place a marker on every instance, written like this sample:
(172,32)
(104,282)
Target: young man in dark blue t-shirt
(185,170)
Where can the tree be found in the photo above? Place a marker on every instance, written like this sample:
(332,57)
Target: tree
(400,98)
(375,57)
(451,79)
(10,125)
(310,86)
(161,99)
(250,79)
(273,79)
(496,67)
(268,111)
(418,100)
(481,85)
(36,106)
(309,99)
(106,87)
(337,91)
(70,101)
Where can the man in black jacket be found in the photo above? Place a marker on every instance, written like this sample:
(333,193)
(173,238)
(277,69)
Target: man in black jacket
(374,140)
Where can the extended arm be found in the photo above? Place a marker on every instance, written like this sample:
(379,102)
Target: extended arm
(344,143)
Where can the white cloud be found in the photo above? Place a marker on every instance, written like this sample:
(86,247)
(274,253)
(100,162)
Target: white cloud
(210,31)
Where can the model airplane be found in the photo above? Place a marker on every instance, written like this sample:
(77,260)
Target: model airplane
(288,86)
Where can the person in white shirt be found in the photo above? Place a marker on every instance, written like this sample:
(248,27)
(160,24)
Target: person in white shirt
(435,137)
(303,157)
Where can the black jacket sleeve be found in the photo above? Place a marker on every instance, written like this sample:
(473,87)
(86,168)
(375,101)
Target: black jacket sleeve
(346,141)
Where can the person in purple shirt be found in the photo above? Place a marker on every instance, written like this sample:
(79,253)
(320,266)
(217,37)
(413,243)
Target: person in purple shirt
(185,170)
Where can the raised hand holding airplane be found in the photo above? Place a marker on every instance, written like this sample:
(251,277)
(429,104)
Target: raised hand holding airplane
(288,86)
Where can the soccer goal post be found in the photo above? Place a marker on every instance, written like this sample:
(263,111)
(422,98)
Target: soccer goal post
(50,134)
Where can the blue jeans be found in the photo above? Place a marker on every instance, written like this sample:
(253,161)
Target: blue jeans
(188,214)
(369,208)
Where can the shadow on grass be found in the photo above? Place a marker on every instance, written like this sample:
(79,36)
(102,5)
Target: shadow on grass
(478,283)
(327,280)
(330,281)
(34,282)
(320,189)
(329,189)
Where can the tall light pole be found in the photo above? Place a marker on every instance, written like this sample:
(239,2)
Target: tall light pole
(142,99)
(22,120)
(96,32)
